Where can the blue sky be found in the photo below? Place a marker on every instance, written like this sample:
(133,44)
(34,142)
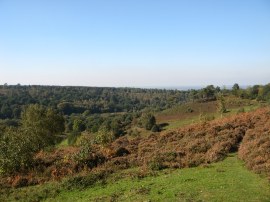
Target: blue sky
(135,42)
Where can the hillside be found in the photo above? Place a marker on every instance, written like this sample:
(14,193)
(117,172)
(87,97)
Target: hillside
(193,112)
(227,181)
(138,101)
(194,145)
(53,142)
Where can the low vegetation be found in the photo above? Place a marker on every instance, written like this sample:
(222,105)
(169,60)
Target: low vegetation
(39,129)
(80,150)
(255,147)
(227,180)
(198,144)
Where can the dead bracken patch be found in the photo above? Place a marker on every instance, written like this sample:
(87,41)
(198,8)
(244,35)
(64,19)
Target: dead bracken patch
(199,144)
(255,147)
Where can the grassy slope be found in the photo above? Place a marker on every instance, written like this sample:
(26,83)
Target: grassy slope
(178,116)
(228,180)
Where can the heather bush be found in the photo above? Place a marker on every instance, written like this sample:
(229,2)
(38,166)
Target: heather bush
(255,147)
(189,146)
(196,144)
(84,181)
(156,164)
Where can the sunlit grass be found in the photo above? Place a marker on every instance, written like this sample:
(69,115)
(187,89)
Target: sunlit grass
(177,123)
(228,180)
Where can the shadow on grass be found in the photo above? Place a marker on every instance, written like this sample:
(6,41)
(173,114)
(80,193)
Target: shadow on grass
(162,126)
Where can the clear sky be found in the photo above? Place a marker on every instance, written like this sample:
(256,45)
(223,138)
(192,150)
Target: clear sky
(135,42)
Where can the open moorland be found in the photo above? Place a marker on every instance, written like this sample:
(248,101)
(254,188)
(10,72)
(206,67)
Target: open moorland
(121,144)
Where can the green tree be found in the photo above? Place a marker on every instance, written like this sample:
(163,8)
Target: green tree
(221,103)
(78,125)
(5,111)
(116,127)
(43,124)
(66,107)
(208,93)
(16,151)
(147,121)
(253,91)
(39,127)
(235,89)
(104,136)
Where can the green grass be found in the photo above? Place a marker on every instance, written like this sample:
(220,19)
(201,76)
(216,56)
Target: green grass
(225,181)
(177,123)
(64,143)
(228,181)
(174,124)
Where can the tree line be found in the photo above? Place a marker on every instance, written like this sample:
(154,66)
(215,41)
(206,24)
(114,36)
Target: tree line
(98,100)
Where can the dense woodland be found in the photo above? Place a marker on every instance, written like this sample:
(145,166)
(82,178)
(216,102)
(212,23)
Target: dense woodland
(96,100)
(90,100)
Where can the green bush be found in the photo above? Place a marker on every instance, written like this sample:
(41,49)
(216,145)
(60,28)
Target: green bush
(147,121)
(155,128)
(189,110)
(43,124)
(39,127)
(104,136)
(16,151)
(87,156)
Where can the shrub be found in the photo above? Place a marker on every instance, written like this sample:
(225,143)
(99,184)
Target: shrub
(78,125)
(39,126)
(155,128)
(255,146)
(156,164)
(189,110)
(82,182)
(121,152)
(45,124)
(221,104)
(87,156)
(16,151)
(104,136)
(147,121)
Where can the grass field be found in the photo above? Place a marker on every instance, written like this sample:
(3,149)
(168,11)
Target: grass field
(178,116)
(228,181)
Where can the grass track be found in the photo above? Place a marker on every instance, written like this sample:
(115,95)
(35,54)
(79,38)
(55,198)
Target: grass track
(228,181)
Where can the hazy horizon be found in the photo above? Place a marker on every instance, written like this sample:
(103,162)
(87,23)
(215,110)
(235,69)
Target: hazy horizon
(135,44)
(183,88)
